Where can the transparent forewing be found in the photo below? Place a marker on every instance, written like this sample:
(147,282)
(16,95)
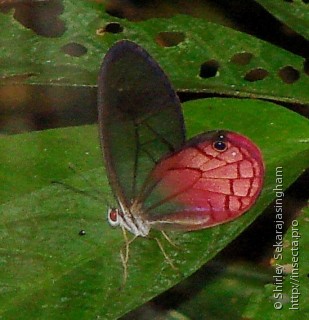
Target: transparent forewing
(140,117)
(212,179)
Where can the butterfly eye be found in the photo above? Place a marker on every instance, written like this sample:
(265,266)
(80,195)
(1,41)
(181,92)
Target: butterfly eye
(219,145)
(113,217)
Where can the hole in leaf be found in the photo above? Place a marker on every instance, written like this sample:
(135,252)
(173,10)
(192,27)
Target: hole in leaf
(305,1)
(112,27)
(306,66)
(288,1)
(256,74)
(169,39)
(242,58)
(209,69)
(74,49)
(41,17)
(288,74)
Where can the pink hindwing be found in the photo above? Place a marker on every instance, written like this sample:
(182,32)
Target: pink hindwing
(212,179)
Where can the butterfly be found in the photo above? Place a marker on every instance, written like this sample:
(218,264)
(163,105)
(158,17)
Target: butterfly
(159,179)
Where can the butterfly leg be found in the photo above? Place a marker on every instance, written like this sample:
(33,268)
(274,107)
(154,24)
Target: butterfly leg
(168,259)
(169,240)
(125,269)
(124,255)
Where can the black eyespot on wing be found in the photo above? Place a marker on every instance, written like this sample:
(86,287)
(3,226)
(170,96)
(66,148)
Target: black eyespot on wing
(219,145)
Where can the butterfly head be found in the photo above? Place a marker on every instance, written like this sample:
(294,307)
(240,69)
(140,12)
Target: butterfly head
(114,217)
(125,219)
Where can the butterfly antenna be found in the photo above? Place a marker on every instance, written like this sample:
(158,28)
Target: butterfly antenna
(93,187)
(76,190)
(73,168)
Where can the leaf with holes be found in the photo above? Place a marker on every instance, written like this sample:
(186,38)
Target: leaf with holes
(51,270)
(212,59)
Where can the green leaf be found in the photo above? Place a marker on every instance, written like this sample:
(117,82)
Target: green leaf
(287,297)
(49,271)
(233,63)
(224,291)
(33,160)
(295,14)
